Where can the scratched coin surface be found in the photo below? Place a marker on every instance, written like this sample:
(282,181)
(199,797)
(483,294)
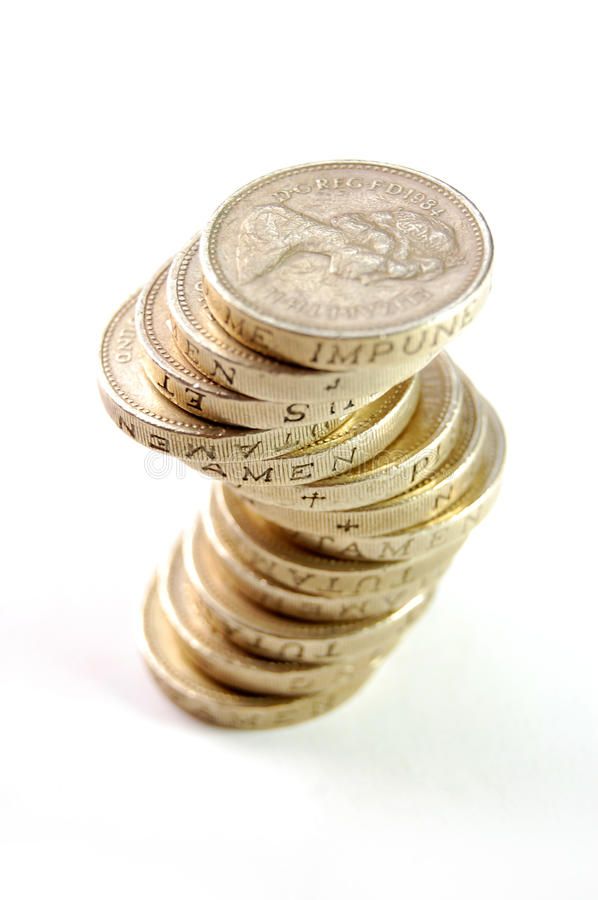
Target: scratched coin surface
(426,500)
(280,637)
(419,449)
(145,415)
(194,691)
(206,640)
(182,383)
(223,358)
(347,263)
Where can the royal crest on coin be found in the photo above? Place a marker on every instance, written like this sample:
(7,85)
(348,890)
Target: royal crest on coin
(373,246)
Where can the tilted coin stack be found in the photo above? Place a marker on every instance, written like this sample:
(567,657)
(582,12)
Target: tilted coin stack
(294,353)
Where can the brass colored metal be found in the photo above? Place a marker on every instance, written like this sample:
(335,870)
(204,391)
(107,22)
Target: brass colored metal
(201,696)
(453,525)
(273,552)
(363,435)
(279,637)
(144,414)
(342,607)
(416,452)
(218,656)
(425,501)
(182,383)
(342,264)
(295,355)
(218,353)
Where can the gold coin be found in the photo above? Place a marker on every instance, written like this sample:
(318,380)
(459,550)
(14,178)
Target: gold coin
(217,353)
(278,637)
(424,501)
(340,607)
(343,264)
(172,374)
(227,662)
(360,437)
(418,450)
(454,524)
(145,415)
(272,551)
(201,696)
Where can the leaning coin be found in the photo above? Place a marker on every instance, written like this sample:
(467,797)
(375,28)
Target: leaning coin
(227,662)
(295,603)
(223,358)
(361,436)
(419,504)
(174,376)
(454,524)
(202,696)
(145,415)
(278,637)
(341,264)
(272,551)
(416,452)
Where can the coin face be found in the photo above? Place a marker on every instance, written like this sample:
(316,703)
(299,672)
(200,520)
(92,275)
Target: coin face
(222,354)
(344,250)
(293,352)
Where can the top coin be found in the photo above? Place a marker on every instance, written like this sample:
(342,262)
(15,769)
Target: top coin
(342,264)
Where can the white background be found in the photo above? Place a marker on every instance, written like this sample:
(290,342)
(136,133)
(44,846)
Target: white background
(468,767)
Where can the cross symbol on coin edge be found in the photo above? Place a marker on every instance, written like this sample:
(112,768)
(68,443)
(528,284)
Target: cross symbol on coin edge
(313,497)
(347,526)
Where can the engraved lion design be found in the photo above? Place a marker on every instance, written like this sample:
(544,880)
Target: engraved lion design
(368,247)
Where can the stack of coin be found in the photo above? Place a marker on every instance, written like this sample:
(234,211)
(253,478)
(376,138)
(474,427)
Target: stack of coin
(293,352)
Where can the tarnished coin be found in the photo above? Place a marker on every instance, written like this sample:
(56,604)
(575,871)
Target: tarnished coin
(198,694)
(223,358)
(416,452)
(342,264)
(174,376)
(145,415)
(279,637)
(272,552)
(339,607)
(205,638)
(454,524)
(419,504)
(361,436)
